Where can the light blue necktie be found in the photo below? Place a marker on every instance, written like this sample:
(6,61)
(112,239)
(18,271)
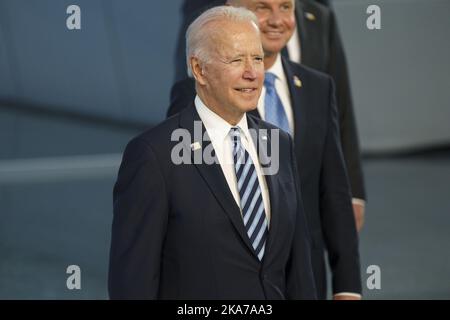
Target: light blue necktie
(252,205)
(274,110)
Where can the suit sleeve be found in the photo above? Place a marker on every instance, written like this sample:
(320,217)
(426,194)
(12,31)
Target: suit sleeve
(139,224)
(300,279)
(349,134)
(338,223)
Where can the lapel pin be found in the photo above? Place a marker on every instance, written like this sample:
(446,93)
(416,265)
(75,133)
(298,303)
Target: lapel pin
(310,16)
(195,146)
(297,82)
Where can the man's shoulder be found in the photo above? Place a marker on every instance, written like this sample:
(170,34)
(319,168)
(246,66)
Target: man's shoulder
(184,84)
(181,94)
(158,137)
(314,86)
(319,10)
(306,72)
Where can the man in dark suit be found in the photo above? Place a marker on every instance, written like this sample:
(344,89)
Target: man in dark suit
(316,43)
(319,46)
(212,218)
(306,99)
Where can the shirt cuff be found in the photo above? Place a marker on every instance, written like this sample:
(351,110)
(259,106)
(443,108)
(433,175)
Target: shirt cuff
(359,201)
(352,294)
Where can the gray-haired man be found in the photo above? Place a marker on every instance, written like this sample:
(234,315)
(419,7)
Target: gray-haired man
(221,230)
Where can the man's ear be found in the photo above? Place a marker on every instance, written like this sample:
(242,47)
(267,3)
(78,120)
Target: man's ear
(197,70)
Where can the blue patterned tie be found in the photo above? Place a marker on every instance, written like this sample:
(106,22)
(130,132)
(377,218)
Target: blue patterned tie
(274,110)
(252,204)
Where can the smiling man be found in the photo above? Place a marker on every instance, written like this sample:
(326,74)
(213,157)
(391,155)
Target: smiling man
(231,85)
(212,231)
(301,101)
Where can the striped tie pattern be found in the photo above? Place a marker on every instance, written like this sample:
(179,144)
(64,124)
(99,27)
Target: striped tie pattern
(252,205)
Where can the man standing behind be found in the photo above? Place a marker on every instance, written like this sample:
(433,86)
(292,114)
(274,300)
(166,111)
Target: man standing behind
(302,102)
(221,229)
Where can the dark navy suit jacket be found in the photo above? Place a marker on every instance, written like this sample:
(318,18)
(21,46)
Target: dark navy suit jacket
(178,233)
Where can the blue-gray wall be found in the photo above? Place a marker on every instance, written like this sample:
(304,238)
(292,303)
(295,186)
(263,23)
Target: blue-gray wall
(119,65)
(400,73)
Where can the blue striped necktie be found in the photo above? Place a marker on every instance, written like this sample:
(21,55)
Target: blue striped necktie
(273,107)
(252,205)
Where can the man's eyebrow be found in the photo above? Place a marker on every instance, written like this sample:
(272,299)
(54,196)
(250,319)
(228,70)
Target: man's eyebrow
(240,55)
(243,55)
(228,59)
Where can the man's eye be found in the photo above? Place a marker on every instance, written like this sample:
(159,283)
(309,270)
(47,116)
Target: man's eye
(259,59)
(236,61)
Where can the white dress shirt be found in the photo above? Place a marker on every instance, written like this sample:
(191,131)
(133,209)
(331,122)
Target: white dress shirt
(219,132)
(294,48)
(282,88)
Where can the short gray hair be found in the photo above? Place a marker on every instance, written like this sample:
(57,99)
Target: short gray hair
(238,3)
(196,36)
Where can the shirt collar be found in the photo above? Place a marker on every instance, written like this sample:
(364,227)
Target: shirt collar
(216,126)
(277,68)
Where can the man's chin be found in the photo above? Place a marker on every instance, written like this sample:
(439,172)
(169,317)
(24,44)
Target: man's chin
(250,108)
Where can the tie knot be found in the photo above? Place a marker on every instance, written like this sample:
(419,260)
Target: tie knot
(269,79)
(235,135)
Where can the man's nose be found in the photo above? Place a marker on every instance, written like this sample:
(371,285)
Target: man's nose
(250,72)
(275,18)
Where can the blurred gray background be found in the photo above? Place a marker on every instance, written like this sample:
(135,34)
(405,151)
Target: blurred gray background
(71,99)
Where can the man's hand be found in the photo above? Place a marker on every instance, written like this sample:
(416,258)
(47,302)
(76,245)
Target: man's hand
(346,297)
(358,211)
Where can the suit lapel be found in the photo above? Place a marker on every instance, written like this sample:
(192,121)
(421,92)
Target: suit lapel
(213,175)
(299,105)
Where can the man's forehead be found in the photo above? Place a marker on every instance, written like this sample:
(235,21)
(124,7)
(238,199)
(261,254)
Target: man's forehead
(248,2)
(229,24)
(237,36)
(232,31)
